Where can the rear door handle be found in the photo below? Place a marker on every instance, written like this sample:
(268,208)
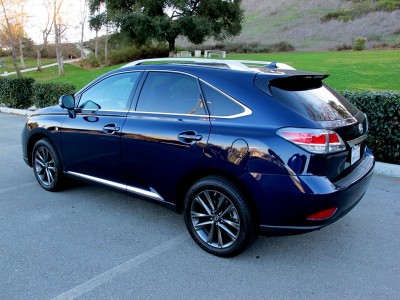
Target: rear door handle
(111,128)
(189,137)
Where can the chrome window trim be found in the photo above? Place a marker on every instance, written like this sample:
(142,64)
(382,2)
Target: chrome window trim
(168,114)
(93,83)
(97,80)
(207,115)
(247,111)
(150,194)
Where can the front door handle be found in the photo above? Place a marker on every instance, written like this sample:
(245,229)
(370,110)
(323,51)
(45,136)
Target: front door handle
(111,128)
(189,137)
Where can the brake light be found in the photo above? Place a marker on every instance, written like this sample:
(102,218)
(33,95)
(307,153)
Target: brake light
(319,141)
(322,215)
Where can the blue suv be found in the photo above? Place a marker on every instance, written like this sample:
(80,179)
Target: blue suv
(240,148)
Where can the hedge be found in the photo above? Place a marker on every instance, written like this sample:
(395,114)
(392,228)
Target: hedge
(23,92)
(47,94)
(383,111)
(16,92)
(130,54)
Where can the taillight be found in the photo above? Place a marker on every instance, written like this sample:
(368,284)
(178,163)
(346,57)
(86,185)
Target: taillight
(322,215)
(318,141)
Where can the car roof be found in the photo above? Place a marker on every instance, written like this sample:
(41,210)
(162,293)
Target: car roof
(239,65)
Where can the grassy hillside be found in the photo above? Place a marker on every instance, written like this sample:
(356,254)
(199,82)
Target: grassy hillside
(299,23)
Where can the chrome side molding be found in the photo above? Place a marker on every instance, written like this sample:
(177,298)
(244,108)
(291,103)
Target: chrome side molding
(149,194)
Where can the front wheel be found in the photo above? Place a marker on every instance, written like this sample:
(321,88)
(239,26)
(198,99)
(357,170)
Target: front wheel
(218,217)
(47,165)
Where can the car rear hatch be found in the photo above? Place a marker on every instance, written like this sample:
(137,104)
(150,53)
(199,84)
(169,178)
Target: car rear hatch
(306,94)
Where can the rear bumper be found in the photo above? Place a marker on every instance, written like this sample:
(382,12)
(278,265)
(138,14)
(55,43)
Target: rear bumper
(285,202)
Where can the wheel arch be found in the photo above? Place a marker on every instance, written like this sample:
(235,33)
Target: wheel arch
(189,179)
(33,140)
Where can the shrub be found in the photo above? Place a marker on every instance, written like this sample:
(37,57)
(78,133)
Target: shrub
(343,47)
(359,43)
(341,15)
(388,5)
(16,92)
(23,92)
(282,47)
(251,47)
(132,53)
(383,111)
(47,94)
(93,61)
(380,46)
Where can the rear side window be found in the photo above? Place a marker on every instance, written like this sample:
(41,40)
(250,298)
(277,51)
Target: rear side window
(312,99)
(219,104)
(165,92)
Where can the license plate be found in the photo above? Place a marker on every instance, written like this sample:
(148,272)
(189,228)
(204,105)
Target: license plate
(355,154)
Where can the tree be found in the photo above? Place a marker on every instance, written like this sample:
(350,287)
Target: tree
(58,31)
(82,21)
(99,19)
(95,23)
(45,30)
(165,20)
(19,30)
(10,14)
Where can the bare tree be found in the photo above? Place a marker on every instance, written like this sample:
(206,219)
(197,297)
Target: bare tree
(8,9)
(82,21)
(58,31)
(45,30)
(19,28)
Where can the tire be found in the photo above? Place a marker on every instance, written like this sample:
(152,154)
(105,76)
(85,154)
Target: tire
(47,166)
(218,217)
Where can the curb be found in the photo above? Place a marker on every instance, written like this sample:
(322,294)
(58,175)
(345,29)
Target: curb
(14,111)
(386,169)
(381,168)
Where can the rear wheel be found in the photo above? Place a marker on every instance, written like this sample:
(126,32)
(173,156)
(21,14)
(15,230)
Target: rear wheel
(46,165)
(218,217)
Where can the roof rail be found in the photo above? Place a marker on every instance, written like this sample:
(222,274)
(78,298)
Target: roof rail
(241,65)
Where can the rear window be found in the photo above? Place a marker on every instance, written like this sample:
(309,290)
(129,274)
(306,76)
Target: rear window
(312,99)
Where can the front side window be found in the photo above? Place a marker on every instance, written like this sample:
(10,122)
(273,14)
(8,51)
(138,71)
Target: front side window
(166,92)
(112,93)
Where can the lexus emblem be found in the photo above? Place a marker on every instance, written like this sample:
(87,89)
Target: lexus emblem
(360,128)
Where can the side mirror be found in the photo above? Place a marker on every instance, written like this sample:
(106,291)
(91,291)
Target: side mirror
(67,101)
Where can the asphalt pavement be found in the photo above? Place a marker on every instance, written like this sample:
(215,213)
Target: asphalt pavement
(88,242)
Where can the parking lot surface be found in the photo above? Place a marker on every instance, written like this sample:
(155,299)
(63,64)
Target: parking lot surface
(88,242)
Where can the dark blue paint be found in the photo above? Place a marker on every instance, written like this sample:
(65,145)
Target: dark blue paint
(284,183)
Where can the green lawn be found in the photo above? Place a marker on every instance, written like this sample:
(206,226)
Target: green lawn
(29,63)
(73,74)
(363,70)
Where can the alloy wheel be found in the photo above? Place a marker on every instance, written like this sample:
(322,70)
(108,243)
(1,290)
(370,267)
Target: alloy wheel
(215,219)
(45,166)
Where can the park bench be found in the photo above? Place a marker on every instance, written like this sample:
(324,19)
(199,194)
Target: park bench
(183,54)
(220,53)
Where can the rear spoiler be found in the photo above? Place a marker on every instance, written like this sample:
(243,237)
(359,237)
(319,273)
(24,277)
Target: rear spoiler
(289,81)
